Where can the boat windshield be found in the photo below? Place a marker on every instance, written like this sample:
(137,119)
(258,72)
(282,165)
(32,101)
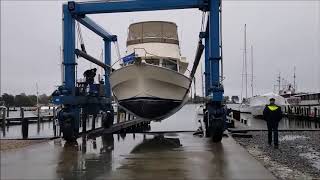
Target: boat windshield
(153,61)
(170,64)
(153,31)
(166,63)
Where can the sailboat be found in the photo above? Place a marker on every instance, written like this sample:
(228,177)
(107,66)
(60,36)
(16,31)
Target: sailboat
(151,83)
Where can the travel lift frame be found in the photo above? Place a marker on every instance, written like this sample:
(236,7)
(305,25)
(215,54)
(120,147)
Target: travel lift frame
(70,94)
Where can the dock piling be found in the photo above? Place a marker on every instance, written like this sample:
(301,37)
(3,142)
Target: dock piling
(25,124)
(3,113)
(93,125)
(84,122)
(8,111)
(38,114)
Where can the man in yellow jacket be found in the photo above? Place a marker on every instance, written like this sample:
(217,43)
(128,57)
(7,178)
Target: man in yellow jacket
(272,114)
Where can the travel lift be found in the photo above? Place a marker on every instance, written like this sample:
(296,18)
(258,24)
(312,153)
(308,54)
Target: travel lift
(75,98)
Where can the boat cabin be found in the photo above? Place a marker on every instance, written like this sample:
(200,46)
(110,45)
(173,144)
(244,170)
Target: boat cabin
(157,43)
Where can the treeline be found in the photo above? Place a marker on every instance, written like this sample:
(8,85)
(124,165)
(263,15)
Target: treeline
(24,100)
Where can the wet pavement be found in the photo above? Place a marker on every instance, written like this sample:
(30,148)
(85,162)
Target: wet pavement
(137,156)
(133,156)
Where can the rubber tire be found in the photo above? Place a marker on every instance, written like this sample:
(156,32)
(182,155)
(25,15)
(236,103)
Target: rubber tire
(68,132)
(217,130)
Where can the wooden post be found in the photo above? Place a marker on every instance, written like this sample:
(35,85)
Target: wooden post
(38,113)
(25,125)
(84,122)
(54,126)
(315,112)
(8,111)
(118,115)
(54,112)
(93,125)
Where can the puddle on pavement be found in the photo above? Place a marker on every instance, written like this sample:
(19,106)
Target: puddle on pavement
(92,157)
(86,158)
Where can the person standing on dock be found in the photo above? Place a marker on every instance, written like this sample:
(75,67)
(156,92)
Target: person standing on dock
(272,114)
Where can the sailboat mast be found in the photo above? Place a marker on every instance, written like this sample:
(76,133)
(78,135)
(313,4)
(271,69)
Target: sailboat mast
(252,70)
(294,78)
(245,58)
(279,82)
(37,94)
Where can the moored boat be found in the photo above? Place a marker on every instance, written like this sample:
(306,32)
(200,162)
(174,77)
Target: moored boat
(258,103)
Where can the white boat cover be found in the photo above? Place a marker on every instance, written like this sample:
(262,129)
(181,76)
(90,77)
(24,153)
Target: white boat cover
(264,99)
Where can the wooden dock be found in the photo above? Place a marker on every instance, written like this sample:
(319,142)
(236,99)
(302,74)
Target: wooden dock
(129,125)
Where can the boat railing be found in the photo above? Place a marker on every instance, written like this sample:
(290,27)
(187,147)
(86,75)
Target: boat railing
(145,57)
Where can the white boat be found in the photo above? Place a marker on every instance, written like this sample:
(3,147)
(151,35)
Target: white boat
(258,103)
(244,108)
(44,111)
(153,85)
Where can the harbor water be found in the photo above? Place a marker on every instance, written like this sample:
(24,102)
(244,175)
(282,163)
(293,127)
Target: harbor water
(184,120)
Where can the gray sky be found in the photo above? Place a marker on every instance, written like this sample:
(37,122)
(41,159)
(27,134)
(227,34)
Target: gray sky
(284,34)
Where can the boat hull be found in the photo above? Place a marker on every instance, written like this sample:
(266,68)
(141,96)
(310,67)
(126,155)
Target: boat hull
(149,91)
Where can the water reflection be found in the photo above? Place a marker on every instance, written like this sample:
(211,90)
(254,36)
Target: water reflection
(220,160)
(93,158)
(285,123)
(86,159)
(157,143)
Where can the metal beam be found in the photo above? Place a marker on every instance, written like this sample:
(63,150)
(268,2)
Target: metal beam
(91,59)
(107,61)
(206,61)
(214,52)
(133,5)
(90,24)
(69,61)
(197,58)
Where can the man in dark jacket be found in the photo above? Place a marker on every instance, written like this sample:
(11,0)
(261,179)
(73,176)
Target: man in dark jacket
(89,75)
(272,114)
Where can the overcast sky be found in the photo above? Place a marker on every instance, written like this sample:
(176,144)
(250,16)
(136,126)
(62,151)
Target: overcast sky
(284,34)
